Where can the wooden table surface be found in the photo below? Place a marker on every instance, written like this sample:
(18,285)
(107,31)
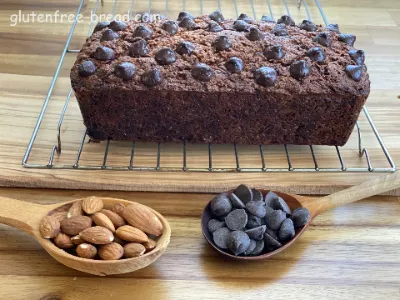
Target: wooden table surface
(352,252)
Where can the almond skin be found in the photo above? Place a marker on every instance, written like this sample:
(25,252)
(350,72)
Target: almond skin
(118,208)
(102,220)
(92,205)
(77,240)
(112,251)
(116,219)
(119,241)
(75,210)
(150,245)
(60,215)
(142,217)
(49,227)
(75,225)
(97,235)
(131,234)
(133,250)
(86,250)
(63,241)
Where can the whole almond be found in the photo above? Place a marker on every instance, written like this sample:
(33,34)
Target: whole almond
(118,208)
(112,251)
(143,218)
(131,234)
(116,219)
(75,225)
(133,250)
(97,235)
(75,210)
(60,215)
(150,245)
(102,220)
(63,241)
(92,205)
(77,240)
(86,250)
(49,227)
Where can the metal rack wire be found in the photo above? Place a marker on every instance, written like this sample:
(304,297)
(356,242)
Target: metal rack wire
(57,149)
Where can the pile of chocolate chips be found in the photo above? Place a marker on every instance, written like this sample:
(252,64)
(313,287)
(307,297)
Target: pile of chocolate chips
(248,223)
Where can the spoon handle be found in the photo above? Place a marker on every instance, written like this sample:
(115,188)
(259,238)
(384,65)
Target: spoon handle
(19,214)
(364,190)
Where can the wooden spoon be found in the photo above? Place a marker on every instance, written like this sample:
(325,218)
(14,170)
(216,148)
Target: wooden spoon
(27,216)
(316,206)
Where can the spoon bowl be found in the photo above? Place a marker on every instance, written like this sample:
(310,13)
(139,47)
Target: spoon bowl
(27,216)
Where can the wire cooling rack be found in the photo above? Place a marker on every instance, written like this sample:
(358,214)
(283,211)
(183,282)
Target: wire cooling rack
(358,158)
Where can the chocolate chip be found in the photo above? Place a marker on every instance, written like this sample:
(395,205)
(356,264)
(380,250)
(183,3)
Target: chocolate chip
(270,243)
(236,219)
(286,232)
(256,208)
(287,20)
(221,205)
(349,39)
(165,56)
(266,18)
(274,218)
(152,78)
(216,16)
(240,25)
(256,233)
(185,48)
(269,198)
(253,221)
(265,76)
(300,69)
(109,35)
(101,26)
(171,27)
(245,18)
(86,68)
(255,34)
(280,30)
(259,248)
(213,225)
(316,54)
(236,202)
(354,72)
(300,216)
(118,25)
(184,14)
(333,27)
(357,56)
(282,205)
(125,70)
(257,195)
(238,242)
(251,247)
(234,65)
(143,32)
(222,43)
(323,39)
(272,233)
(104,53)
(202,72)
(214,27)
(187,23)
(274,52)
(308,26)
(220,237)
(139,48)
(244,193)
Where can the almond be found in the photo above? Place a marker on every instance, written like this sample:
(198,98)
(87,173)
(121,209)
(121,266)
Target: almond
(118,208)
(119,241)
(116,219)
(131,234)
(97,235)
(60,215)
(75,225)
(92,205)
(150,245)
(63,241)
(75,210)
(49,227)
(102,220)
(86,250)
(112,251)
(143,218)
(133,250)
(77,240)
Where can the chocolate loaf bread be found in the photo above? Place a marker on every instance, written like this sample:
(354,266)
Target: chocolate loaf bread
(210,80)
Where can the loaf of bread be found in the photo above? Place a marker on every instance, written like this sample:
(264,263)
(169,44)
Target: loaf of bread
(212,80)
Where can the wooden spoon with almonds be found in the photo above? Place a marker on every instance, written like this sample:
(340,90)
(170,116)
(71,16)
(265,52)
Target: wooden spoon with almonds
(28,217)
